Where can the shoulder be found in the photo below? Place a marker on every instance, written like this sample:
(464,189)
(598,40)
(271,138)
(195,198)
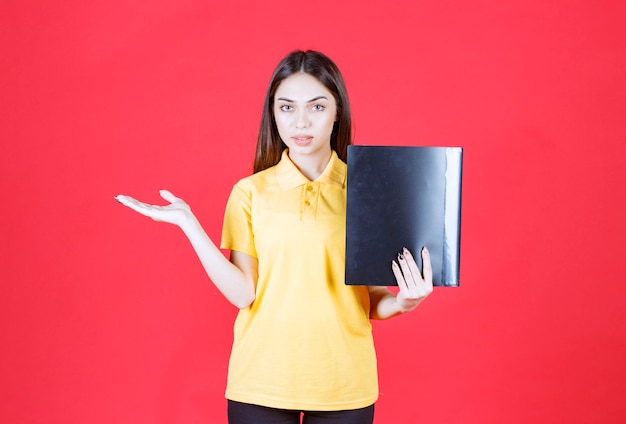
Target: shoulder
(256,182)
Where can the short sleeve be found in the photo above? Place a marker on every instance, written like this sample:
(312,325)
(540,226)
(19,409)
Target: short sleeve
(237,229)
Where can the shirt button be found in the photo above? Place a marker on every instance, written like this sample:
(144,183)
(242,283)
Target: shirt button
(307,203)
(309,187)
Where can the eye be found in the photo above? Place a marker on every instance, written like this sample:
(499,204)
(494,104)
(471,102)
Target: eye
(318,107)
(286,108)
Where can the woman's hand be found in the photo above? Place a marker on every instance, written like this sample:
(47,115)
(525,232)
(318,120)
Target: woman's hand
(235,280)
(177,212)
(414,286)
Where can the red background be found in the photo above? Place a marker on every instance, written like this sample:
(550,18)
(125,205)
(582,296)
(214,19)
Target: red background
(107,317)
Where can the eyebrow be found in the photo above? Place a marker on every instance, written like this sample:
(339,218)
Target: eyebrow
(314,99)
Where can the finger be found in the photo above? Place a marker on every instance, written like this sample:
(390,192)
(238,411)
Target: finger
(415,271)
(129,201)
(167,195)
(399,277)
(404,266)
(427,267)
(137,206)
(124,200)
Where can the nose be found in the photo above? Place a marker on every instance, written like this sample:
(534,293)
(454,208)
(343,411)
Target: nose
(302,118)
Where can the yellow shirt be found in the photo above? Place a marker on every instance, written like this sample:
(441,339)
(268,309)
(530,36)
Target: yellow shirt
(306,341)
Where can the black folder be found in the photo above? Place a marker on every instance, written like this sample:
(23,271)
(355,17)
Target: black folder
(402,197)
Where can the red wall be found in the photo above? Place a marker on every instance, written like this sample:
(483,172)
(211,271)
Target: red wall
(107,317)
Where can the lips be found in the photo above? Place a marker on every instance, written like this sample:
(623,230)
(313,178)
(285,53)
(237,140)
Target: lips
(302,139)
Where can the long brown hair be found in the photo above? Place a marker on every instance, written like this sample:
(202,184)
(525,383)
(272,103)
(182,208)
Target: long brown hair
(269,144)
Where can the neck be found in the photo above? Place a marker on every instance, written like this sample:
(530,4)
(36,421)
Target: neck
(311,166)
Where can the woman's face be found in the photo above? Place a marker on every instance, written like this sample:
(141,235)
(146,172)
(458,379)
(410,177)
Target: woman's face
(305,111)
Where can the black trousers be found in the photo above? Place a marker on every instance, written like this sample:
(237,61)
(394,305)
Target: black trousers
(244,413)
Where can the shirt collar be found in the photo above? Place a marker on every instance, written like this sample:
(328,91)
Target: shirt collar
(289,176)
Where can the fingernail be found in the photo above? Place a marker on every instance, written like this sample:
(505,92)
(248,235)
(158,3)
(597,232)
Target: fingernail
(406,251)
(425,249)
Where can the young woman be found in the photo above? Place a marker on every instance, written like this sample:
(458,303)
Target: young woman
(302,338)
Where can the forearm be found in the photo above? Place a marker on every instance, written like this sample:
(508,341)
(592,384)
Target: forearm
(231,281)
(383,304)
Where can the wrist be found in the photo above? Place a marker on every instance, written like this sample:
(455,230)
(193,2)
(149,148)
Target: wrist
(189,224)
(405,306)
